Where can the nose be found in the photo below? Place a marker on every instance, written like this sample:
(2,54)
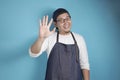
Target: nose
(65,20)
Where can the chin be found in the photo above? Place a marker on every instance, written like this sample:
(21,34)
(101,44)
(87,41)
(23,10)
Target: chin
(67,31)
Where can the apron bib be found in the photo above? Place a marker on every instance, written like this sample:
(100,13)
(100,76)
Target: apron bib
(63,62)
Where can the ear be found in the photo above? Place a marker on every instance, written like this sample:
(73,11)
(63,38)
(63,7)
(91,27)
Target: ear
(55,24)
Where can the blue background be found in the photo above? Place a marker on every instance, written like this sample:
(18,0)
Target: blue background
(97,20)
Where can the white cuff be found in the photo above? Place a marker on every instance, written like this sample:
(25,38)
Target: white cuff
(86,66)
(33,54)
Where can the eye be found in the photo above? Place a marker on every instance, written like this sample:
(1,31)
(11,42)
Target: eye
(61,20)
(68,18)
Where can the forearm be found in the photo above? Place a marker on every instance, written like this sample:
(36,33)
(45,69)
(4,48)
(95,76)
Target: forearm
(36,47)
(86,74)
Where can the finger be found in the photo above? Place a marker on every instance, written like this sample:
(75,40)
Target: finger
(54,29)
(43,22)
(50,23)
(40,23)
(46,20)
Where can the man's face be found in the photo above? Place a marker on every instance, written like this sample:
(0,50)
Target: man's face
(63,23)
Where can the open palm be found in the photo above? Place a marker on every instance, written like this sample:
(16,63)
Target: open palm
(45,27)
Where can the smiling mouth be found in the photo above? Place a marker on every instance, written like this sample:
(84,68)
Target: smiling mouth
(66,27)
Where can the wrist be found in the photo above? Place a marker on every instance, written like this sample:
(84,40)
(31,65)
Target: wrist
(41,38)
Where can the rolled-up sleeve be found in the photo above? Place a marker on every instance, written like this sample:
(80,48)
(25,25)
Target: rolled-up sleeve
(83,54)
(43,48)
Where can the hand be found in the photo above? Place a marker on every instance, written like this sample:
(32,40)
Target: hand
(45,27)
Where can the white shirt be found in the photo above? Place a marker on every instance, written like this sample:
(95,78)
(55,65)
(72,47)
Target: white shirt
(49,43)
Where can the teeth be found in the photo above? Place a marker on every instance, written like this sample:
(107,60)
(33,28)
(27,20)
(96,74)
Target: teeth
(65,26)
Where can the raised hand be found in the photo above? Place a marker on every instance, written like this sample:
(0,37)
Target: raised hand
(45,27)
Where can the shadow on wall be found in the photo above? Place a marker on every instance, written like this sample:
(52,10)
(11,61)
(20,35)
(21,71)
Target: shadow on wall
(14,53)
(14,56)
(11,53)
(115,9)
(16,61)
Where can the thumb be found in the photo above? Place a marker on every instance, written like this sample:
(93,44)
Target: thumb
(54,29)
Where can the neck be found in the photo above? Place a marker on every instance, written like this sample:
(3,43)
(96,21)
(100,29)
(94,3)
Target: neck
(64,33)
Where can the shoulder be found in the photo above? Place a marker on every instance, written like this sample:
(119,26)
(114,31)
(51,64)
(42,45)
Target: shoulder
(51,37)
(80,39)
(77,36)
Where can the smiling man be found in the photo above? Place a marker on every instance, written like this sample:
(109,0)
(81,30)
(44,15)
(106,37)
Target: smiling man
(66,50)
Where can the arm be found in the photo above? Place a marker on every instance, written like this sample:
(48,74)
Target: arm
(86,74)
(84,59)
(36,47)
(44,32)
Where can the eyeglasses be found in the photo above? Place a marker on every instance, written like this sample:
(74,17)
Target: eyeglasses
(61,20)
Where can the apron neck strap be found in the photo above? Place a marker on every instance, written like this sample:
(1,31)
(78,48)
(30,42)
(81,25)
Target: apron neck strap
(73,37)
(57,35)
(71,34)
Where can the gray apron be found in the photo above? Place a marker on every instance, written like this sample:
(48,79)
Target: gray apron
(63,62)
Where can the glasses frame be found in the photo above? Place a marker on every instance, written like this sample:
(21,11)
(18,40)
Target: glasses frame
(61,20)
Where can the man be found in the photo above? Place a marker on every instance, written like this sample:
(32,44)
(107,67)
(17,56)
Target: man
(66,50)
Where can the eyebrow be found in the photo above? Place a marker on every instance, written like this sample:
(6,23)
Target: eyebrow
(63,18)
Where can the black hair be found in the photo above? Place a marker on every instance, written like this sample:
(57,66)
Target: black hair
(58,12)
